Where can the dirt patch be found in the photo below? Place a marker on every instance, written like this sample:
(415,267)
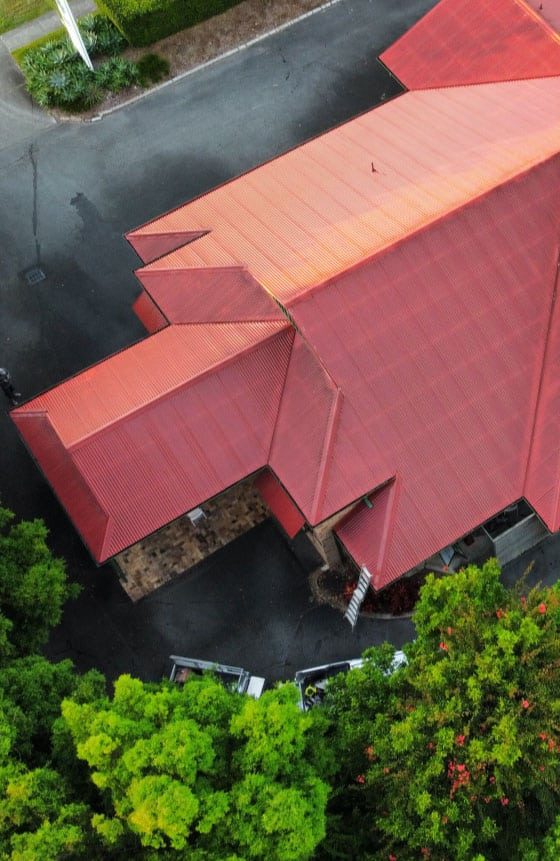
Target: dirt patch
(208,40)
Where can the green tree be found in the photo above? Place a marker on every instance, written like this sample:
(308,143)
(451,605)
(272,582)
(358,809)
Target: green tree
(205,770)
(455,755)
(33,586)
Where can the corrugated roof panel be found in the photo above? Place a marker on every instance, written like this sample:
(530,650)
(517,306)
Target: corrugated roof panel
(437,347)
(64,477)
(542,484)
(151,246)
(367,531)
(144,373)
(279,502)
(149,314)
(187,447)
(208,295)
(303,426)
(548,10)
(323,209)
(474,42)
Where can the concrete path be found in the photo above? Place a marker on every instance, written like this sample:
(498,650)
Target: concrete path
(31,30)
(20,117)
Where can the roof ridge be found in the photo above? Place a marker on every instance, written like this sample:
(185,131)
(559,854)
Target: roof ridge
(532,13)
(310,291)
(222,363)
(328,443)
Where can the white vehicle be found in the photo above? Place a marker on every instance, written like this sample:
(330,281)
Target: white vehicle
(313,682)
(234,678)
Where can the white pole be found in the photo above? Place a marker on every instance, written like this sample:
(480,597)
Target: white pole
(75,36)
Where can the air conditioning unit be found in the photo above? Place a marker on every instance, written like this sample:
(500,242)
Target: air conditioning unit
(196,516)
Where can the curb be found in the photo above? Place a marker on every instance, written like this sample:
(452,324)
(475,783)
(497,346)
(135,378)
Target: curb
(200,66)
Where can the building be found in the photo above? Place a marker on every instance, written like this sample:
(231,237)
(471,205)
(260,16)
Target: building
(366,326)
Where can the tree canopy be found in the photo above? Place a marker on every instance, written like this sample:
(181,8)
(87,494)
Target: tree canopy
(202,769)
(33,586)
(455,755)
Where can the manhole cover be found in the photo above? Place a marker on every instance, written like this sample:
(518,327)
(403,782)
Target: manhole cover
(33,276)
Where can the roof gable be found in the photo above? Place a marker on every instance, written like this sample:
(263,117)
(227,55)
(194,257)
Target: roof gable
(463,42)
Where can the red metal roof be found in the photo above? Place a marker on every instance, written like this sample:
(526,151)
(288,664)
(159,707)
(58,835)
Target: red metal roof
(278,500)
(416,250)
(222,295)
(318,210)
(437,346)
(151,433)
(549,11)
(305,426)
(475,42)
(149,314)
(367,531)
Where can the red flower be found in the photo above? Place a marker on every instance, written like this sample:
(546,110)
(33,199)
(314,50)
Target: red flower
(450,631)
(386,770)
(542,608)
(492,779)
(523,601)
(541,767)
(525,704)
(360,779)
(499,613)
(543,736)
(392,857)
(460,739)
(369,752)
(444,646)
(504,801)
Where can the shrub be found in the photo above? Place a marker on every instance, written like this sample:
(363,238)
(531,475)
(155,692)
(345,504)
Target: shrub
(57,77)
(151,69)
(116,74)
(146,21)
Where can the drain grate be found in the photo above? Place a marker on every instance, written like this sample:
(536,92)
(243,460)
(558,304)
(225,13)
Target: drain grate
(34,276)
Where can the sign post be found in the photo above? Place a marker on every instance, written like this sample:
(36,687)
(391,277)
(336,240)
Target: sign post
(69,22)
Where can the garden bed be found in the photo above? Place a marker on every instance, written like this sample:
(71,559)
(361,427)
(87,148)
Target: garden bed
(206,41)
(399,599)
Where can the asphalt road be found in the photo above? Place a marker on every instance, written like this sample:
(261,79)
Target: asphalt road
(67,194)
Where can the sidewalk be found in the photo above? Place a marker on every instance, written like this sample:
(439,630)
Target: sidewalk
(32,30)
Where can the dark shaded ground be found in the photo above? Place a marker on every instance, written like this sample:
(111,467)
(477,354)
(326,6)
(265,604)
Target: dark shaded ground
(66,197)
(249,604)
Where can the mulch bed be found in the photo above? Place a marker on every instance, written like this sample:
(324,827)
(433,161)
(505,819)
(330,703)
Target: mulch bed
(396,600)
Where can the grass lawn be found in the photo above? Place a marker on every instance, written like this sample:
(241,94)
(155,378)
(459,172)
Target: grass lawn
(16,12)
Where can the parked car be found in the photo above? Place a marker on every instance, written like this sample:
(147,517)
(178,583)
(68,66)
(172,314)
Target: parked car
(234,678)
(313,682)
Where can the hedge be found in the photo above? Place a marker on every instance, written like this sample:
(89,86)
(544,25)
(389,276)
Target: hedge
(145,21)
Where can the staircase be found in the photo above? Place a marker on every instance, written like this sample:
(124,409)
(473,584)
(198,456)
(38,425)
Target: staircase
(357,598)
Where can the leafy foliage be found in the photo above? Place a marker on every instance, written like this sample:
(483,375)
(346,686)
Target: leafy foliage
(57,77)
(151,69)
(146,21)
(33,586)
(457,754)
(205,768)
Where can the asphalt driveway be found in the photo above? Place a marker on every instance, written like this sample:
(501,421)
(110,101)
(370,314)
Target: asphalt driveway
(67,194)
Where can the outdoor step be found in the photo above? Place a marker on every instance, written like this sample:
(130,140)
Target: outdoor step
(358,596)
